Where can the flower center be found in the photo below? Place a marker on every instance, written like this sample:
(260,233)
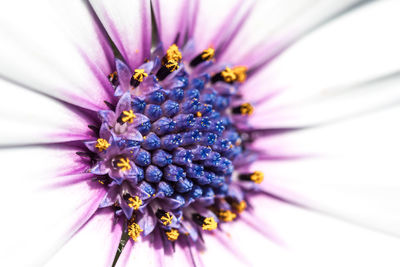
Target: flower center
(168,150)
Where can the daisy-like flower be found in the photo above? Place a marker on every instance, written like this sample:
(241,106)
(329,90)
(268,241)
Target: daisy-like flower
(199,145)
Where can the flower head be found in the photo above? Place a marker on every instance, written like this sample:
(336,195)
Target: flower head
(165,149)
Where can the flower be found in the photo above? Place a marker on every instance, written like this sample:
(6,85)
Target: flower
(206,143)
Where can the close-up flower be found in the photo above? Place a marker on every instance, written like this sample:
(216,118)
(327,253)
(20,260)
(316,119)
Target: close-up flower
(200,133)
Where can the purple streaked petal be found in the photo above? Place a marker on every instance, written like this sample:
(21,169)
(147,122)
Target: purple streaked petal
(53,54)
(53,121)
(340,176)
(129,25)
(283,23)
(60,203)
(309,233)
(171,18)
(94,245)
(215,21)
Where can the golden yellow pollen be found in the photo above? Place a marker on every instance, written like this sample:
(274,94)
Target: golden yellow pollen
(172,65)
(129,116)
(134,202)
(208,54)
(240,207)
(102,144)
(257,177)
(167,219)
(240,72)
(124,164)
(139,75)
(228,75)
(226,215)
(246,109)
(209,224)
(172,235)
(112,76)
(198,114)
(134,230)
(173,53)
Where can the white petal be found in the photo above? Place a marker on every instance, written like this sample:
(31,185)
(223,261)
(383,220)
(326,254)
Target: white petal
(45,201)
(44,48)
(272,26)
(312,239)
(239,245)
(350,50)
(129,25)
(139,253)
(27,117)
(215,22)
(349,169)
(329,105)
(94,245)
(171,17)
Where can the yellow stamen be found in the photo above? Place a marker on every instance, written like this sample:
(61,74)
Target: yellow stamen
(229,75)
(124,164)
(257,177)
(139,75)
(129,116)
(226,215)
(246,109)
(172,235)
(135,202)
(167,219)
(102,144)
(239,207)
(209,224)
(208,54)
(198,114)
(134,230)
(240,72)
(172,65)
(173,53)
(112,76)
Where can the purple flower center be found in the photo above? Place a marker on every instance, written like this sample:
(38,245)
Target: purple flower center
(168,149)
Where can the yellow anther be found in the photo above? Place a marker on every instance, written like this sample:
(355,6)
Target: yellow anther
(134,230)
(239,207)
(139,75)
(166,219)
(241,73)
(134,202)
(102,144)
(172,235)
(124,164)
(208,54)
(209,224)
(198,114)
(128,116)
(238,142)
(173,53)
(226,215)
(112,77)
(246,109)
(229,75)
(257,177)
(172,65)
